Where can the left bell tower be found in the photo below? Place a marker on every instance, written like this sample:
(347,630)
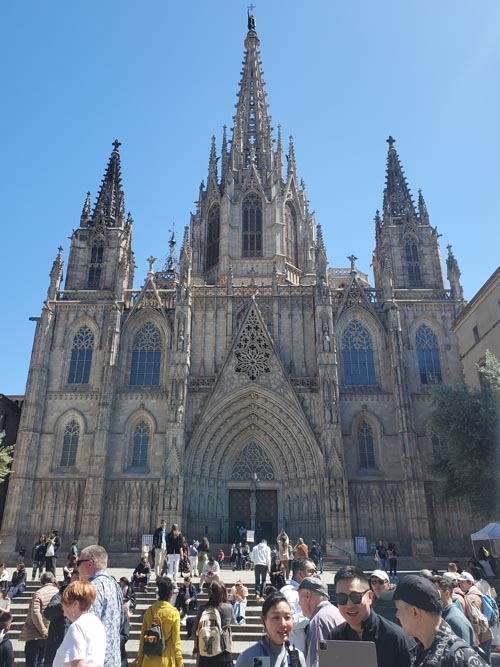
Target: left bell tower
(100,256)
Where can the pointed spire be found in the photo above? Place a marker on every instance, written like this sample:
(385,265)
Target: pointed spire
(56,275)
(212,162)
(224,154)
(321,256)
(279,153)
(453,274)
(252,123)
(110,200)
(84,218)
(291,169)
(398,202)
(171,259)
(422,209)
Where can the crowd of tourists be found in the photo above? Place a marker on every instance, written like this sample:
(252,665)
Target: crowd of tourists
(430,619)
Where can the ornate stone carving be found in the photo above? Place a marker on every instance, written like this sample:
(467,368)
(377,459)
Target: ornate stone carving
(253,351)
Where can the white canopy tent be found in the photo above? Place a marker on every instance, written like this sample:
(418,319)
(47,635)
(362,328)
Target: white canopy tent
(490,533)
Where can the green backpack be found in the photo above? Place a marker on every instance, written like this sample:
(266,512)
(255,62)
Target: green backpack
(154,640)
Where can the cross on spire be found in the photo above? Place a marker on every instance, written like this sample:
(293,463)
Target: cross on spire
(391,141)
(352,259)
(151,260)
(116,144)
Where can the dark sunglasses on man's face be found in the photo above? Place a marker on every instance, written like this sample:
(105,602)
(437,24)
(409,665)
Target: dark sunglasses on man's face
(377,582)
(83,560)
(355,597)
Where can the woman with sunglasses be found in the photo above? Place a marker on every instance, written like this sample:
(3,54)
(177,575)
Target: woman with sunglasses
(277,619)
(354,599)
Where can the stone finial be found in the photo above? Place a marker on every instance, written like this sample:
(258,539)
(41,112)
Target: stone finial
(151,260)
(352,259)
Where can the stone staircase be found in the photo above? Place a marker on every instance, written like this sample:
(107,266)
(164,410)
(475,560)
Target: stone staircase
(243,635)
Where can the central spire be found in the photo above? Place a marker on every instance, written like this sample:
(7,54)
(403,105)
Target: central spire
(252,132)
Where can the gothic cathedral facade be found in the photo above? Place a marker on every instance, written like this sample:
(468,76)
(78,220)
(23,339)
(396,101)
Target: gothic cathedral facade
(246,382)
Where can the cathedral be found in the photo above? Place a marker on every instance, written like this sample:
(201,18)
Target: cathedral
(244,383)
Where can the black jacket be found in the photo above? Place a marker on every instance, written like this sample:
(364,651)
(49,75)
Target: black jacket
(174,544)
(6,653)
(392,645)
(58,626)
(157,538)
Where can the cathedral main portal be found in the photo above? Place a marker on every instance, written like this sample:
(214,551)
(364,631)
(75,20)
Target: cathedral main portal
(253,510)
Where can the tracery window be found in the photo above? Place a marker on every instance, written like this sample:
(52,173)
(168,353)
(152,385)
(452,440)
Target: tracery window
(213,230)
(146,357)
(140,445)
(81,356)
(252,350)
(357,355)
(365,445)
(253,464)
(429,365)
(96,263)
(252,226)
(291,234)
(412,263)
(70,443)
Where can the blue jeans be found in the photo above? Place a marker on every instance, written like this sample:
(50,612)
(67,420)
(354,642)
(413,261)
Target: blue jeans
(382,564)
(486,646)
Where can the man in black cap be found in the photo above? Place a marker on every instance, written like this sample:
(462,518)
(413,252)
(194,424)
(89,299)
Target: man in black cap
(354,600)
(419,611)
(322,614)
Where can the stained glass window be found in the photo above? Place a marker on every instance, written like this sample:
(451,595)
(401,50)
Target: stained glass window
(357,355)
(429,365)
(95,267)
(81,356)
(252,226)
(213,235)
(253,464)
(412,264)
(70,443)
(291,233)
(146,357)
(140,445)
(365,444)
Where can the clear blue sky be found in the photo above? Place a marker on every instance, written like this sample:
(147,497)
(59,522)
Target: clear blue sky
(162,77)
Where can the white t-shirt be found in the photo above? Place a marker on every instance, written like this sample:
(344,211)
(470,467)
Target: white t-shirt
(85,640)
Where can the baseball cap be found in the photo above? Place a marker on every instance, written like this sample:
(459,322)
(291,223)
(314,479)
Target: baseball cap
(465,576)
(380,574)
(314,584)
(418,592)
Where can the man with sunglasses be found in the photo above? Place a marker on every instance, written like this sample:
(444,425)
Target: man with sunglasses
(355,599)
(108,605)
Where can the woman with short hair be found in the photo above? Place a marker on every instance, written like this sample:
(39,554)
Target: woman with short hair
(84,644)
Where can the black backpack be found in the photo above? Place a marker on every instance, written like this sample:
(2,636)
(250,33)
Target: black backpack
(154,640)
(476,651)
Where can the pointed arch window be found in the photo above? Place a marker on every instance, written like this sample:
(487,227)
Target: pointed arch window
(365,445)
(357,355)
(96,264)
(412,263)
(81,356)
(291,234)
(252,226)
(429,365)
(70,443)
(213,231)
(146,357)
(140,445)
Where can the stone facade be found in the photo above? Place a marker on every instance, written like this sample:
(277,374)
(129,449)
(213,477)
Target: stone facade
(245,383)
(477,328)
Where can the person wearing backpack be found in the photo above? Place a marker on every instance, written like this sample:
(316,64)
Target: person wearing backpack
(160,642)
(419,609)
(212,629)
(476,611)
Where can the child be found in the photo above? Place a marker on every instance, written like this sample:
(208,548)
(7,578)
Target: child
(6,650)
(220,558)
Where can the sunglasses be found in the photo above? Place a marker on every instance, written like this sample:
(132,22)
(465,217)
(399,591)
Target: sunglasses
(354,597)
(83,560)
(377,582)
